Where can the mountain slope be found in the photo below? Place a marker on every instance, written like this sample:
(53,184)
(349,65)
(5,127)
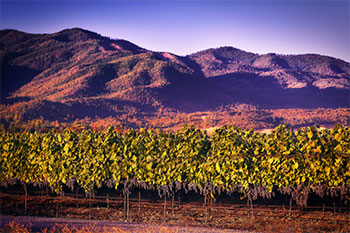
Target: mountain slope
(291,71)
(82,73)
(277,81)
(54,55)
(78,65)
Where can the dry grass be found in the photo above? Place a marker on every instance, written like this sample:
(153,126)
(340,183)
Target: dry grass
(14,227)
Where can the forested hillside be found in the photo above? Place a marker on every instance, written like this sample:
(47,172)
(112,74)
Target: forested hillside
(77,75)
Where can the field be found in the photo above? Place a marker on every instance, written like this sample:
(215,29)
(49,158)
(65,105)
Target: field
(259,217)
(285,181)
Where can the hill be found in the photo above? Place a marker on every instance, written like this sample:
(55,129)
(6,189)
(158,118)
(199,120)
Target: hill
(277,81)
(75,73)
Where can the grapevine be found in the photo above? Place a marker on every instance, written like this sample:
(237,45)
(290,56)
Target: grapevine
(311,160)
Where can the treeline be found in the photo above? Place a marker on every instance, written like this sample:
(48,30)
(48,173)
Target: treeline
(27,116)
(310,160)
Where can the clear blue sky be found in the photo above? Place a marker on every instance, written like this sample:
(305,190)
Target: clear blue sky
(184,27)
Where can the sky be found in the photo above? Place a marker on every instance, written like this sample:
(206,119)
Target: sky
(184,27)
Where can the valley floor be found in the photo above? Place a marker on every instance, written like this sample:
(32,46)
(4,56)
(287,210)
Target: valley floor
(36,224)
(153,216)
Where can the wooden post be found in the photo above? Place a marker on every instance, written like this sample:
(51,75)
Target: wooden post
(125,207)
(172,205)
(57,199)
(206,208)
(209,204)
(16,206)
(47,197)
(252,208)
(248,207)
(107,200)
(76,195)
(90,205)
(335,219)
(164,213)
(323,207)
(127,210)
(139,202)
(290,207)
(25,198)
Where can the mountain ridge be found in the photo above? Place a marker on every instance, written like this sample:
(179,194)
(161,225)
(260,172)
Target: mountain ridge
(79,68)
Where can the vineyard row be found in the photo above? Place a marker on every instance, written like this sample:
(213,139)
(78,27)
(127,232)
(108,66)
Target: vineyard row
(311,160)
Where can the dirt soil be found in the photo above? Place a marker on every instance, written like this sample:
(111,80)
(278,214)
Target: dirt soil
(37,224)
(218,217)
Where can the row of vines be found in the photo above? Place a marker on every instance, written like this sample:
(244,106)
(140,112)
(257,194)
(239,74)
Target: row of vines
(310,160)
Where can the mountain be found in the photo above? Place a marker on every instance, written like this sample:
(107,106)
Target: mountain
(277,81)
(79,73)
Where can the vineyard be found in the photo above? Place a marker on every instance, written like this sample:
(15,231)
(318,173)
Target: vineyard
(310,161)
